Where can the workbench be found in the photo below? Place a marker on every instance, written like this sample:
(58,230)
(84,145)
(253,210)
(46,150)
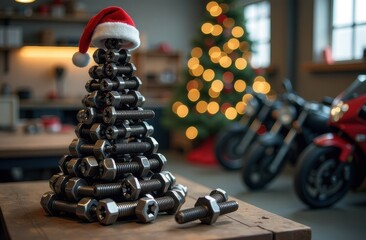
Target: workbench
(22,217)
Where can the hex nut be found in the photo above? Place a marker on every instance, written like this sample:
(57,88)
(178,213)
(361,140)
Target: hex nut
(154,145)
(220,192)
(111,132)
(212,207)
(74,147)
(62,163)
(86,209)
(47,200)
(147,209)
(162,162)
(72,186)
(131,188)
(52,181)
(100,149)
(170,177)
(144,166)
(181,189)
(97,131)
(108,169)
(89,167)
(61,183)
(179,200)
(165,183)
(107,211)
(73,167)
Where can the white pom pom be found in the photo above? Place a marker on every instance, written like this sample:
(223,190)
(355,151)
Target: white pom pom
(81,59)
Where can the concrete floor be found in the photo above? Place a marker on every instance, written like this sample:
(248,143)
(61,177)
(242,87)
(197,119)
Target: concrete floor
(345,220)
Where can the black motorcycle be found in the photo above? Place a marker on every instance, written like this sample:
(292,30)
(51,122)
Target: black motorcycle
(271,151)
(233,141)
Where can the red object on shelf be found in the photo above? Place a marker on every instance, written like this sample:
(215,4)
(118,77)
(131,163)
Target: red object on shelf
(203,154)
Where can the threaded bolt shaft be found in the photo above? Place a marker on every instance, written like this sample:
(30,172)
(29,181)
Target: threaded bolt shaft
(165,203)
(150,185)
(126,209)
(201,212)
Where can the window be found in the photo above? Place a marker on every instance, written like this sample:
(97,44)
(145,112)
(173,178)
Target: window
(258,25)
(348,29)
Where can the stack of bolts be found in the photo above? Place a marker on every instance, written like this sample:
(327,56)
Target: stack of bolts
(113,169)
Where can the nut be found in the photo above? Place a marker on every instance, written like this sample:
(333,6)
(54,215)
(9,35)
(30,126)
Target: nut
(89,167)
(86,209)
(213,209)
(179,200)
(220,192)
(72,186)
(108,169)
(144,166)
(46,202)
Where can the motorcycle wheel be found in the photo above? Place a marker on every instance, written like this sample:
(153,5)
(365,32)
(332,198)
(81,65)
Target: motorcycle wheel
(255,173)
(226,149)
(315,181)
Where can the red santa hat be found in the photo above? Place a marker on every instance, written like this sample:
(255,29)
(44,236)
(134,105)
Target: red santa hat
(111,22)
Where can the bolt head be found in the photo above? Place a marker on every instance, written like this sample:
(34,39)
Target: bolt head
(221,192)
(74,147)
(113,98)
(111,132)
(212,207)
(85,209)
(170,177)
(108,169)
(144,166)
(107,211)
(100,149)
(154,145)
(52,181)
(89,167)
(47,200)
(106,84)
(147,209)
(183,190)
(90,115)
(179,200)
(131,188)
(109,115)
(72,186)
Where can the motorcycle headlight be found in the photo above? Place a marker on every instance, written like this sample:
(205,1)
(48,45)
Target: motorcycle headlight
(252,107)
(338,111)
(286,115)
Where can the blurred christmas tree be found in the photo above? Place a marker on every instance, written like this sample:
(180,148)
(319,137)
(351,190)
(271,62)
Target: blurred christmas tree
(217,76)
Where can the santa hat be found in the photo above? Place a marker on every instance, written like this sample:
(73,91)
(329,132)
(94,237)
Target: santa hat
(111,22)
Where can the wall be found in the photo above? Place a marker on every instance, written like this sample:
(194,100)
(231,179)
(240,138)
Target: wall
(310,86)
(171,21)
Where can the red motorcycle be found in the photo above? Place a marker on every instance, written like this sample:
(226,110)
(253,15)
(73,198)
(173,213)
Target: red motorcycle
(336,162)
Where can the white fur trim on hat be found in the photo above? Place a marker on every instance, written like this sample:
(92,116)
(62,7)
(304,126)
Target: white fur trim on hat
(116,30)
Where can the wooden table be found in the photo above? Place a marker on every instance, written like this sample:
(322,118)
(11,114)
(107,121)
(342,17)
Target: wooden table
(23,218)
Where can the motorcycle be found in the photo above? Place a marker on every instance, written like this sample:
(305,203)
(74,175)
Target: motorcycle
(302,121)
(233,141)
(335,162)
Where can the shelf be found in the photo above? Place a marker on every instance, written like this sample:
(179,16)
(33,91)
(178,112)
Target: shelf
(354,66)
(38,17)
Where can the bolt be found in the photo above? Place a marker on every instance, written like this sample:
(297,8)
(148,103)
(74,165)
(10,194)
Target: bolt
(60,183)
(52,181)
(171,202)
(145,209)
(94,132)
(73,167)
(62,163)
(111,70)
(92,85)
(120,83)
(118,56)
(89,116)
(94,99)
(99,56)
(159,183)
(89,167)
(141,129)
(85,209)
(97,72)
(140,166)
(111,115)
(124,99)
(104,149)
(207,210)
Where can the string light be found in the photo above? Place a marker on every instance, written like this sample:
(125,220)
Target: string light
(231,113)
(201,106)
(191,132)
(217,30)
(182,111)
(213,108)
(175,106)
(207,28)
(225,62)
(241,63)
(193,63)
(208,75)
(237,31)
(193,95)
(240,85)
(240,107)
(196,52)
